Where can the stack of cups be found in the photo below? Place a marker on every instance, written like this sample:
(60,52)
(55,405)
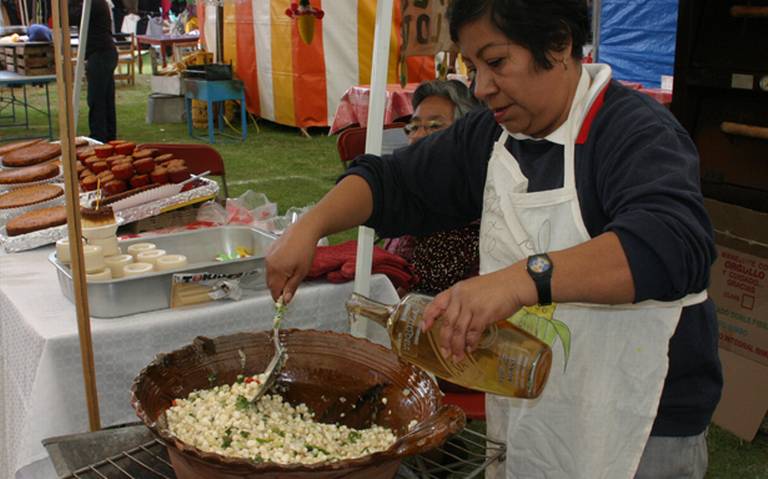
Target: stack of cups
(102,243)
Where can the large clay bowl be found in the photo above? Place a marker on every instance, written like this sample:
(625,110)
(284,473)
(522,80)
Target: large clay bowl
(341,378)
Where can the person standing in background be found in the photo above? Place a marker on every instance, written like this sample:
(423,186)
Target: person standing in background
(100,64)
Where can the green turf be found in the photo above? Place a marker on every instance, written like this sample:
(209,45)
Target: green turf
(296,171)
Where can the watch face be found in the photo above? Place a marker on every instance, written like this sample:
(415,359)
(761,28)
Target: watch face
(539,264)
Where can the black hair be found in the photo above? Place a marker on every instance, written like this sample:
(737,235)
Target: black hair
(540,26)
(453,90)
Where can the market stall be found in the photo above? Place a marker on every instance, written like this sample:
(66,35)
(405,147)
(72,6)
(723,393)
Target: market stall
(300,84)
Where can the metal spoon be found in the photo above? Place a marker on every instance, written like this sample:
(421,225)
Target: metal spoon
(278,360)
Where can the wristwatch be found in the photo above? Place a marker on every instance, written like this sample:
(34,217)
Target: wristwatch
(540,267)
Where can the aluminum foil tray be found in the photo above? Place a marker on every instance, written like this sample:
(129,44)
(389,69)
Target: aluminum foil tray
(124,296)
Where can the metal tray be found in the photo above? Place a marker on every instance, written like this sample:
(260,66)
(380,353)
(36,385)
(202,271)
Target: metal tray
(124,296)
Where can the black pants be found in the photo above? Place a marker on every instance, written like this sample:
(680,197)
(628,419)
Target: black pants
(100,73)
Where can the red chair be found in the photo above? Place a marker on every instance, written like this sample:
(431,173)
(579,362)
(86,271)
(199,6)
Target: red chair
(199,158)
(351,142)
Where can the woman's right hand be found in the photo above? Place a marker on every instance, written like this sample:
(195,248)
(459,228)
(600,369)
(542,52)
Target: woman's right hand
(289,260)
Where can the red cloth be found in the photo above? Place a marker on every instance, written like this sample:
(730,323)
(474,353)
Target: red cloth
(337,265)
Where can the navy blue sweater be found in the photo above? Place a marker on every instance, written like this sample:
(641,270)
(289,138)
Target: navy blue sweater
(637,175)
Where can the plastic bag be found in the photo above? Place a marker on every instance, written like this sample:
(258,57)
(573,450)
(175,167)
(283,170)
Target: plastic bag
(212,212)
(249,208)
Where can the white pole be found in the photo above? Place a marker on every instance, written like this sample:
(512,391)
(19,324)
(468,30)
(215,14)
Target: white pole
(82,43)
(376,103)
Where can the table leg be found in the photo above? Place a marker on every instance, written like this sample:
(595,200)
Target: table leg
(162,53)
(48,108)
(220,114)
(188,108)
(210,122)
(26,107)
(243,124)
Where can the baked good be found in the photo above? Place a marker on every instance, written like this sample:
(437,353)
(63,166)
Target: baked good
(32,155)
(99,166)
(144,165)
(91,160)
(29,174)
(36,220)
(29,196)
(116,142)
(139,180)
(114,187)
(122,171)
(89,183)
(125,148)
(102,215)
(159,175)
(81,142)
(5,149)
(103,151)
(164,157)
(145,153)
(177,174)
(85,172)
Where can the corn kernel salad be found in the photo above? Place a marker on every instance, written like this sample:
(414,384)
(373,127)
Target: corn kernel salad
(223,420)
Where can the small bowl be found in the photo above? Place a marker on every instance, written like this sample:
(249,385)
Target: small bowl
(342,379)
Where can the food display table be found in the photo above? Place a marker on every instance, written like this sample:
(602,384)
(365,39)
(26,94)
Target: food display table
(41,382)
(353,106)
(9,103)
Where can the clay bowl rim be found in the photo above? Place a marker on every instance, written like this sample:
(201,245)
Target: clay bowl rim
(454,418)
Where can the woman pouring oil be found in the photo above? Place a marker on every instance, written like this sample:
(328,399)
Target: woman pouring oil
(593,237)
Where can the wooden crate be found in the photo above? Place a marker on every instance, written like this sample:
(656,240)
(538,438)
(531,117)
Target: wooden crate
(30,59)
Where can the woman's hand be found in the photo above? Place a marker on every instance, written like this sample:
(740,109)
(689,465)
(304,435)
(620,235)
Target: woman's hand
(470,306)
(289,260)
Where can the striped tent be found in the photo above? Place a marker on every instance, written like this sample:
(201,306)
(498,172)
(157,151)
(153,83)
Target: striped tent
(295,84)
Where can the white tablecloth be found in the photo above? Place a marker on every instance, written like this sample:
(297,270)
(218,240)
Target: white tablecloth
(41,385)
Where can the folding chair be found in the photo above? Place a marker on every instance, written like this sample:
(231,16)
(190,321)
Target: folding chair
(351,142)
(199,158)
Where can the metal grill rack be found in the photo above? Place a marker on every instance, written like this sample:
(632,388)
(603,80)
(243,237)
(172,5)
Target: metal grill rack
(465,455)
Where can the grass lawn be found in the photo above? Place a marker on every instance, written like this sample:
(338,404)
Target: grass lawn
(296,171)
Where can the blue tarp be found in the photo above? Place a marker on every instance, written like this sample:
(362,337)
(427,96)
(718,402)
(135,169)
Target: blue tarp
(637,38)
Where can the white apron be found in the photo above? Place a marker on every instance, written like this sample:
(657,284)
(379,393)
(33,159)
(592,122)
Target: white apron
(594,417)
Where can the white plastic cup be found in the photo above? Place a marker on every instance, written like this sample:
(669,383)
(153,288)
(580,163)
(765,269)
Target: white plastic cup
(117,263)
(108,245)
(137,248)
(170,261)
(94,258)
(62,251)
(102,275)
(136,269)
(150,256)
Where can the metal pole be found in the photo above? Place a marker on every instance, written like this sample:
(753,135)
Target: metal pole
(596,7)
(373,138)
(63,51)
(82,43)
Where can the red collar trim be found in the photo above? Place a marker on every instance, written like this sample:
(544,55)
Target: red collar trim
(591,114)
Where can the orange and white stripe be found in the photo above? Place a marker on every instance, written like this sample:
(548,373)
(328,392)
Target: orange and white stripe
(295,84)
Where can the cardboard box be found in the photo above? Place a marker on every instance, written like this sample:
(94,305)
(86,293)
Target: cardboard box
(739,288)
(167,85)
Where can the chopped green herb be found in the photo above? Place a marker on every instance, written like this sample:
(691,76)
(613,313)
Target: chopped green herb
(245,434)
(312,448)
(261,440)
(354,436)
(240,379)
(226,441)
(257,458)
(278,432)
(242,403)
(228,431)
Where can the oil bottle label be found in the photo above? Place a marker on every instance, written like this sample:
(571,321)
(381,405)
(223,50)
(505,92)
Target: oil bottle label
(513,367)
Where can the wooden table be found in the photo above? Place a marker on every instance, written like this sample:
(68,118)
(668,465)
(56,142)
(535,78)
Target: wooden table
(164,41)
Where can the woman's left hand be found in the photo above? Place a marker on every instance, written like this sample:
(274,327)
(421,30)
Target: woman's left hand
(470,306)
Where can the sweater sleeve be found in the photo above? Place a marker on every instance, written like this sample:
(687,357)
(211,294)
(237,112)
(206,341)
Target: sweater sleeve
(648,182)
(433,185)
